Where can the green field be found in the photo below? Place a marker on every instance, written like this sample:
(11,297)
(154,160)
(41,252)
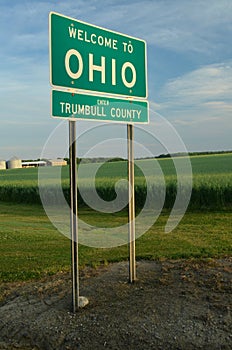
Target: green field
(32,248)
(212,181)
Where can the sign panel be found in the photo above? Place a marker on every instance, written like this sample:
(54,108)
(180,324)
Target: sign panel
(87,57)
(69,105)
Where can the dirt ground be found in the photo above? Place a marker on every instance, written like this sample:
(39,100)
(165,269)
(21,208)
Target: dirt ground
(172,305)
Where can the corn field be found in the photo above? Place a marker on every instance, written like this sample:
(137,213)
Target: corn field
(212,182)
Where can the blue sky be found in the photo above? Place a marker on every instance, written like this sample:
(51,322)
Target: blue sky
(189,67)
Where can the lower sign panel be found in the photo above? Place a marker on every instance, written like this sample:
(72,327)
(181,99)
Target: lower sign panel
(73,106)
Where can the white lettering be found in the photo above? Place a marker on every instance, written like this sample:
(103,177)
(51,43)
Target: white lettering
(67,108)
(93,38)
(128,47)
(111,112)
(113,71)
(115,44)
(125,66)
(124,113)
(103,102)
(87,110)
(80,34)
(79,71)
(72,32)
(75,70)
(86,37)
(118,113)
(93,67)
(128,114)
(81,109)
(62,106)
(74,108)
(108,42)
(100,40)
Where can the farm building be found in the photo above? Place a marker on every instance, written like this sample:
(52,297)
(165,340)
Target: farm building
(47,162)
(15,163)
(2,164)
(34,164)
(56,162)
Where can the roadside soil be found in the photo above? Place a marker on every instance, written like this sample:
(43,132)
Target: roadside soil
(172,305)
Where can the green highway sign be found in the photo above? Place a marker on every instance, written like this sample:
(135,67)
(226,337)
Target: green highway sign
(73,106)
(87,57)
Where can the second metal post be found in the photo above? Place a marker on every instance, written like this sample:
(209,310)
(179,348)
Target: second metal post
(73,217)
(130,147)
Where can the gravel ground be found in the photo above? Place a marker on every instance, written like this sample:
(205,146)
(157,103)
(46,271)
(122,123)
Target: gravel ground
(172,305)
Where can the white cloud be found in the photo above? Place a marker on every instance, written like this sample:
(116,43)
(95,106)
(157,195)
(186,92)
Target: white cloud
(209,87)
(199,105)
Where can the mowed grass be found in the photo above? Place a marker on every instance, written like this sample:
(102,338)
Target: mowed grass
(32,248)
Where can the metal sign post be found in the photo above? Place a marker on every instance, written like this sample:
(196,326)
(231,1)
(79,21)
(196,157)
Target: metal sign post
(131,233)
(73,217)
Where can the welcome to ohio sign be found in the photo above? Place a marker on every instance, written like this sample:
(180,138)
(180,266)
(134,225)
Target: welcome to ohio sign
(86,57)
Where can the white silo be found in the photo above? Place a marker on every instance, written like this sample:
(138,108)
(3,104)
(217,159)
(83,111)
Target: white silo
(2,164)
(14,163)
